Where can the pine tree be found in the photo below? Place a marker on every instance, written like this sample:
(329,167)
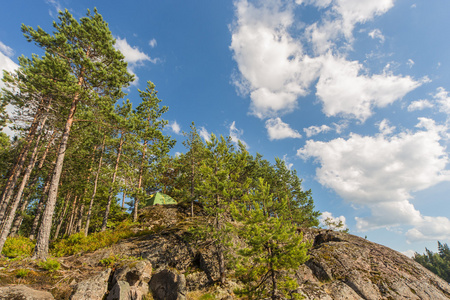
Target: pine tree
(274,247)
(97,71)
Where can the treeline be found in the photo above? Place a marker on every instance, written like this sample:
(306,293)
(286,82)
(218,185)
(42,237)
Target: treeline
(438,263)
(80,146)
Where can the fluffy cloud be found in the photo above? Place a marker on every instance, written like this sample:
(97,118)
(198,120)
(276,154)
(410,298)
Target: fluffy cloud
(204,134)
(276,71)
(175,127)
(152,43)
(6,63)
(278,130)
(315,130)
(235,134)
(382,171)
(443,100)
(133,56)
(376,34)
(420,105)
(344,91)
(271,63)
(341,19)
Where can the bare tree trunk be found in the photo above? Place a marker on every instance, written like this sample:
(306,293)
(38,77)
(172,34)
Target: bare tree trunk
(111,189)
(141,172)
(44,191)
(88,217)
(82,200)
(19,217)
(72,216)
(61,216)
(41,248)
(17,169)
(8,221)
(124,195)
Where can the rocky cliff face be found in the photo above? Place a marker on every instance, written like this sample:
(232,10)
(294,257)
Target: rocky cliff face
(172,266)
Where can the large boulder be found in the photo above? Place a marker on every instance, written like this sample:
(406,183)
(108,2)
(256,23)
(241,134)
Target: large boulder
(130,280)
(22,292)
(168,285)
(344,266)
(93,288)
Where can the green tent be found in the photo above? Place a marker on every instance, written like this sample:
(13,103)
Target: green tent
(159,198)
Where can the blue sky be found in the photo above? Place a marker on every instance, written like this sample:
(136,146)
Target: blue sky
(353,94)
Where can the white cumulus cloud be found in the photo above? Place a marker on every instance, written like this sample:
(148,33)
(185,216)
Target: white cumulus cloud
(278,130)
(443,100)
(315,130)
(235,134)
(204,134)
(152,43)
(133,56)
(345,90)
(175,127)
(382,171)
(420,105)
(275,69)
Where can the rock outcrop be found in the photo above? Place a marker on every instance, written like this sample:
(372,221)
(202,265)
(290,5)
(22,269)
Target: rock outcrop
(22,292)
(173,265)
(93,288)
(168,285)
(343,266)
(130,281)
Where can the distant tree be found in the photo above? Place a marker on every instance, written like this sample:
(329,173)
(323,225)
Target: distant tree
(438,263)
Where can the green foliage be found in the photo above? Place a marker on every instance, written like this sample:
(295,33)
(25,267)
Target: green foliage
(207,297)
(438,263)
(110,261)
(274,247)
(18,247)
(49,264)
(22,273)
(78,243)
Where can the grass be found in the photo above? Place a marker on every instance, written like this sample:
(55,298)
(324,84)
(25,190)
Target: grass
(22,273)
(50,265)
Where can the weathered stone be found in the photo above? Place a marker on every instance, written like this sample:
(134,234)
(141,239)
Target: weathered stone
(120,291)
(22,292)
(130,280)
(350,267)
(93,288)
(168,285)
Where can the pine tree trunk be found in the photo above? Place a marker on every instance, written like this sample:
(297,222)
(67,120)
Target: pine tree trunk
(72,216)
(39,208)
(41,248)
(88,217)
(8,221)
(17,169)
(61,216)
(111,189)
(141,172)
(19,217)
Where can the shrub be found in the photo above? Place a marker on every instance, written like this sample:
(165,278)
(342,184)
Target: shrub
(18,247)
(22,273)
(50,265)
(78,243)
(110,261)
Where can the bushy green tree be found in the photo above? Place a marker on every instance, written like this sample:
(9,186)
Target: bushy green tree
(273,247)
